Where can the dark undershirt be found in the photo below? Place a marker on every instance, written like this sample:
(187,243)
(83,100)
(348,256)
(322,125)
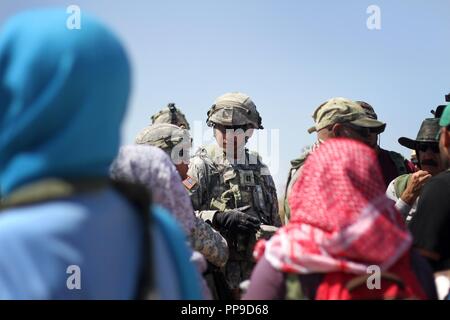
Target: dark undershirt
(430,225)
(388,167)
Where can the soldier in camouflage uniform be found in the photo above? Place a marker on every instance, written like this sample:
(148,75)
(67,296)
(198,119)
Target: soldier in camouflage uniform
(171,115)
(337,117)
(176,142)
(231,188)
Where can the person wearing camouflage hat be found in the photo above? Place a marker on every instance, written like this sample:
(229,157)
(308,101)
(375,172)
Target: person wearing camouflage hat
(337,117)
(340,111)
(171,115)
(405,189)
(231,188)
(176,142)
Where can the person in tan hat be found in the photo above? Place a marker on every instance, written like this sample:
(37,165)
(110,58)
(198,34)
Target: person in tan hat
(337,117)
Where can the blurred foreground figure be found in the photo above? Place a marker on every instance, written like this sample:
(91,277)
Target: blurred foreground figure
(430,224)
(152,167)
(342,225)
(176,144)
(66,231)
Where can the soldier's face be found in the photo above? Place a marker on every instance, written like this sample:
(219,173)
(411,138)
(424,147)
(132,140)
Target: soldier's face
(232,139)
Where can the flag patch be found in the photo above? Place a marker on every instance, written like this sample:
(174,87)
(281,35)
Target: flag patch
(189,183)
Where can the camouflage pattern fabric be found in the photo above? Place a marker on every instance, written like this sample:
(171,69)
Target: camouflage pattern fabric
(171,115)
(218,184)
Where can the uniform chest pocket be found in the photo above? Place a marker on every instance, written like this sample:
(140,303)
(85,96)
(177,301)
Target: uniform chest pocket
(247,178)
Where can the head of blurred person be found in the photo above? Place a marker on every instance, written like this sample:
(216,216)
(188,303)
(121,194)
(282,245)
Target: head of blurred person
(426,146)
(63,94)
(173,140)
(341,117)
(444,137)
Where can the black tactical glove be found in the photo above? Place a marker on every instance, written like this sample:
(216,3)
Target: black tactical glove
(236,221)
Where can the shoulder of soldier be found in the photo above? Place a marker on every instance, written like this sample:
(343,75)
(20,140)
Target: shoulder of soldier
(208,153)
(256,155)
(204,154)
(201,164)
(298,162)
(264,168)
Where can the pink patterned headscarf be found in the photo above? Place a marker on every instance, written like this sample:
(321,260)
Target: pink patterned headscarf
(341,218)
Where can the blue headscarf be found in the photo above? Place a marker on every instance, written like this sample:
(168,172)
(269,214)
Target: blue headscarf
(63,94)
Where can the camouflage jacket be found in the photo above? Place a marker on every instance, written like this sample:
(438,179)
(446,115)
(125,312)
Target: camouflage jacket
(216,184)
(209,242)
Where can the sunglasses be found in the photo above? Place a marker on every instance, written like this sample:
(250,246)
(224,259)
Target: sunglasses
(364,131)
(423,147)
(234,128)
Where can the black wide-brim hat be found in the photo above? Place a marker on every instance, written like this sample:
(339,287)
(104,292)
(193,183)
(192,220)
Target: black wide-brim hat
(427,133)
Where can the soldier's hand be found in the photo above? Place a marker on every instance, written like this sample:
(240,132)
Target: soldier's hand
(414,186)
(236,221)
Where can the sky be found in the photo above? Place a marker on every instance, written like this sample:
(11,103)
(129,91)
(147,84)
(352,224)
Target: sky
(288,56)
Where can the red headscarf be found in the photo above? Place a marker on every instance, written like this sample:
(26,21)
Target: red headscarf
(341,219)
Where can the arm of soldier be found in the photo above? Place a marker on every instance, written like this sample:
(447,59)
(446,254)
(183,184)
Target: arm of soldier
(210,243)
(196,185)
(400,205)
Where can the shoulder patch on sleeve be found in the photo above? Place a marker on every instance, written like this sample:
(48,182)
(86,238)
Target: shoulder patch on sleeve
(189,182)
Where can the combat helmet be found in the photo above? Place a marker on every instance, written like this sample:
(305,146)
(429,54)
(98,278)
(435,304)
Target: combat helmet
(171,115)
(164,136)
(234,109)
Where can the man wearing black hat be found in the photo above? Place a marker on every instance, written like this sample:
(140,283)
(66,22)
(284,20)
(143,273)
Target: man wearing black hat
(405,189)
